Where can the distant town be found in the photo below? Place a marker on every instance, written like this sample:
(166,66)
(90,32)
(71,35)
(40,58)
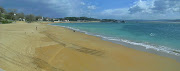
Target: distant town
(11,15)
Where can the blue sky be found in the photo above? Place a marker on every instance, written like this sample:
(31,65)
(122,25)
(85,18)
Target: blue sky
(116,9)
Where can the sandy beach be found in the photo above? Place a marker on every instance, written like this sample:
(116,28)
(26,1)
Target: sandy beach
(53,48)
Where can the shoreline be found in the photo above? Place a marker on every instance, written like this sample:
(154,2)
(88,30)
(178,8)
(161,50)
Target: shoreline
(52,48)
(149,50)
(136,47)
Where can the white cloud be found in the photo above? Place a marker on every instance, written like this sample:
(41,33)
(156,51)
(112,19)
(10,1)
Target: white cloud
(66,8)
(157,6)
(142,6)
(120,11)
(115,13)
(141,9)
(82,3)
(146,9)
(91,7)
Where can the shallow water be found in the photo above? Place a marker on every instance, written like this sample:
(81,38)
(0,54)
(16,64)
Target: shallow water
(163,37)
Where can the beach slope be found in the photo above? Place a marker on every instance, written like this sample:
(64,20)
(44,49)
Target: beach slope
(41,47)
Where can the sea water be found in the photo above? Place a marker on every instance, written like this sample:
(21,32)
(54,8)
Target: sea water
(159,36)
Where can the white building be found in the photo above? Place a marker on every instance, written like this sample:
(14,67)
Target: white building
(66,20)
(20,19)
(41,19)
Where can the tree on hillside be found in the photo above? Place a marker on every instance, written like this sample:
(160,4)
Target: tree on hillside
(38,17)
(30,18)
(11,14)
(83,18)
(2,11)
(80,18)
(20,15)
(71,18)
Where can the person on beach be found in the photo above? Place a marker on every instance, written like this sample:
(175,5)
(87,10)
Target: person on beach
(36,27)
(74,31)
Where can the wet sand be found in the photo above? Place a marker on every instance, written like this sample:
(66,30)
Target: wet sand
(53,48)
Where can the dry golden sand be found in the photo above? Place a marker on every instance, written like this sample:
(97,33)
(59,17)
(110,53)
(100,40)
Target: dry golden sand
(52,48)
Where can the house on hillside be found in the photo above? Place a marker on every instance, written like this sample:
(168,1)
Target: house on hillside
(41,19)
(82,20)
(21,19)
(56,20)
(47,19)
(65,20)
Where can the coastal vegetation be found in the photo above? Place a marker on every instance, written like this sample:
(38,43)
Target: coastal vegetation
(12,15)
(81,18)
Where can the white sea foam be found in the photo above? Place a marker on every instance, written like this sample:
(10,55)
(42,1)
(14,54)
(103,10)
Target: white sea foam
(147,46)
(1,69)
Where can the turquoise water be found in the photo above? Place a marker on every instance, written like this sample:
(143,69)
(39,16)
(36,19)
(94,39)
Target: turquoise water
(158,36)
